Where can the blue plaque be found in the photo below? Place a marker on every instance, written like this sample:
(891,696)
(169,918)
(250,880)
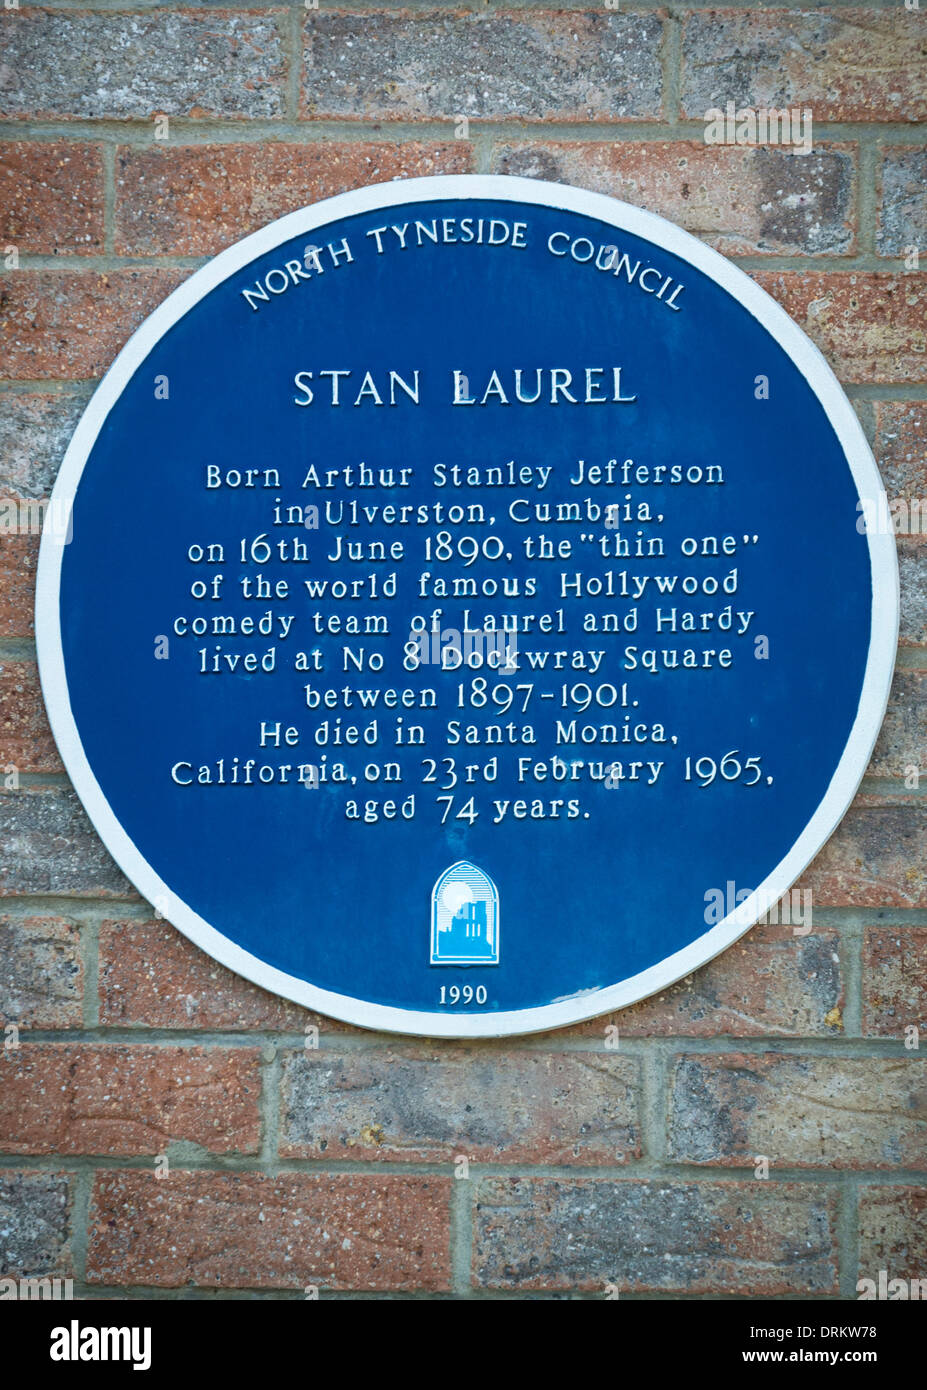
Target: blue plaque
(438,607)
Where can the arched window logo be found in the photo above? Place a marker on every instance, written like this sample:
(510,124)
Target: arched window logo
(464,917)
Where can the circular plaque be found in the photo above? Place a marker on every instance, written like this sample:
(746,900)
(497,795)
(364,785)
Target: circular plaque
(460,609)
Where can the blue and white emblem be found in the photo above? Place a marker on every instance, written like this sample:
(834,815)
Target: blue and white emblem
(464,917)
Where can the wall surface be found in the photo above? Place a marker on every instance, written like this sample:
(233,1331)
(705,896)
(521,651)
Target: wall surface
(338,1167)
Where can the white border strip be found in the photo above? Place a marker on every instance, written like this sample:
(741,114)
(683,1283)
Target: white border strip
(876,682)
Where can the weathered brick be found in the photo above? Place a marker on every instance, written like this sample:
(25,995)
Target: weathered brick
(133,66)
(69,1099)
(877,857)
(35,1223)
(195,199)
(901,452)
(901,445)
(894,981)
(758,1238)
(770,982)
(41,974)
(525,65)
(25,739)
(800,1112)
(35,430)
(51,195)
(893,1232)
(61,323)
(845,64)
(870,326)
(741,201)
(18,558)
(483,1103)
(912,571)
(903,200)
(247,1230)
(151,976)
(902,742)
(51,847)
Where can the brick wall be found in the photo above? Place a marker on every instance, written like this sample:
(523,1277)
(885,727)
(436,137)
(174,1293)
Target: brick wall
(335,1166)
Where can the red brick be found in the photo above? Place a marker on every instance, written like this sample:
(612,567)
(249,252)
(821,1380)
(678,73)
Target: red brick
(741,201)
(25,739)
(41,973)
(769,983)
(877,857)
(757,1239)
(799,1112)
(51,196)
(902,743)
(153,977)
(63,323)
(483,1103)
(894,981)
(195,199)
(247,1230)
(527,65)
(18,559)
(845,64)
(36,1210)
(870,326)
(893,1233)
(113,1099)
